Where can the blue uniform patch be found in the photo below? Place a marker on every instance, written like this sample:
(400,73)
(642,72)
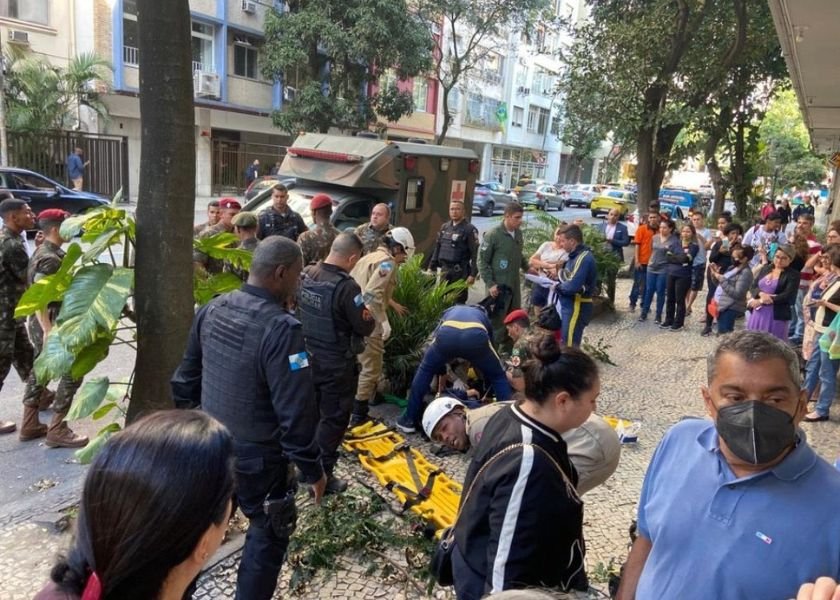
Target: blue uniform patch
(503,264)
(359,300)
(385,268)
(298,361)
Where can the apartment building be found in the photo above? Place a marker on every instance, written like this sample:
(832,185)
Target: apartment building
(507,110)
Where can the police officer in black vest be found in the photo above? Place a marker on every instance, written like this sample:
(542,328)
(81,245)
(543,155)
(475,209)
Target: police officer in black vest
(456,249)
(335,323)
(247,366)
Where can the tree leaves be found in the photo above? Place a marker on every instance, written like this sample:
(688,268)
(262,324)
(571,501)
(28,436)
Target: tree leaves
(88,398)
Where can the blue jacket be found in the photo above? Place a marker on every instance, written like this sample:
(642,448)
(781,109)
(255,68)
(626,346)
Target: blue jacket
(583,274)
(468,314)
(621,238)
(75,166)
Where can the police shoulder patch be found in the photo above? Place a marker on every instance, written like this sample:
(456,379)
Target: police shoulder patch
(359,300)
(298,361)
(385,268)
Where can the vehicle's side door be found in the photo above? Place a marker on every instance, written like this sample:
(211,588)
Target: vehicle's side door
(352,212)
(39,191)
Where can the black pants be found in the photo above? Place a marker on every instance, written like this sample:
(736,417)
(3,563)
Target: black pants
(456,272)
(260,469)
(709,297)
(677,290)
(335,381)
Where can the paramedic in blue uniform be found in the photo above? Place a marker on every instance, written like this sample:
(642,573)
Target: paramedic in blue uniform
(464,332)
(247,366)
(578,284)
(335,323)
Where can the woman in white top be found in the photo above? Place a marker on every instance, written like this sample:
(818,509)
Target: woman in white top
(548,258)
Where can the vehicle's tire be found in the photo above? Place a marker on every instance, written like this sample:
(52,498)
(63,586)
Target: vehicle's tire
(488,210)
(541,207)
(594,213)
(562,206)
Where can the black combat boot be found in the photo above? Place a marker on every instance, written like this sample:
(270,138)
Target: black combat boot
(360,413)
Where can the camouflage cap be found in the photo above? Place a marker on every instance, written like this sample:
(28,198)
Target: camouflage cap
(245,219)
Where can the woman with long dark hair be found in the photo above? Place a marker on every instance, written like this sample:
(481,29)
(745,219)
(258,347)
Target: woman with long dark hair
(154,508)
(657,271)
(520,523)
(679,277)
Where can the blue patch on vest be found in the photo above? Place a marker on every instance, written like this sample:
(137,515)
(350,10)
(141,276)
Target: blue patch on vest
(358,300)
(298,361)
(503,264)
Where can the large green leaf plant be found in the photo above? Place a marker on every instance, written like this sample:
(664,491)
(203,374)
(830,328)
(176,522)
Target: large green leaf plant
(96,289)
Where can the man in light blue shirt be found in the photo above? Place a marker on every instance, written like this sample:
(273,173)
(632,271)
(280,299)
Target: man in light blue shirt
(742,507)
(76,168)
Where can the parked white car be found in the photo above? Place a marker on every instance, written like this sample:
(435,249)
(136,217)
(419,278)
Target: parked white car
(582,194)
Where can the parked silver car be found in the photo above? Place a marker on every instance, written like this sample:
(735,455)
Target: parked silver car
(581,194)
(489,196)
(544,197)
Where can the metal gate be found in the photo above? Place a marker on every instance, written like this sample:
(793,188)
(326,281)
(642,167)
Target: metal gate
(231,158)
(47,154)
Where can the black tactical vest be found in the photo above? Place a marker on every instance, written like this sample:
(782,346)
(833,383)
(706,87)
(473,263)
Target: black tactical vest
(232,334)
(453,244)
(316,314)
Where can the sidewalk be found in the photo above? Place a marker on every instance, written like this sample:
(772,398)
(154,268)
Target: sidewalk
(656,381)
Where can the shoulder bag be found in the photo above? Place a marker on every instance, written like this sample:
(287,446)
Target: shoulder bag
(441,563)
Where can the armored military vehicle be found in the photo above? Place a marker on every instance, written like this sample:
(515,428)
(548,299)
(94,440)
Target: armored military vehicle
(416,180)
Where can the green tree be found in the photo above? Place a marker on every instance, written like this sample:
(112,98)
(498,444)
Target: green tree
(471,29)
(652,66)
(785,147)
(331,49)
(42,97)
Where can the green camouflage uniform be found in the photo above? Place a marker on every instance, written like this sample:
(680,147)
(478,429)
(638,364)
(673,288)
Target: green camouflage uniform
(15,347)
(315,244)
(521,351)
(371,238)
(45,261)
(250,245)
(499,262)
(211,265)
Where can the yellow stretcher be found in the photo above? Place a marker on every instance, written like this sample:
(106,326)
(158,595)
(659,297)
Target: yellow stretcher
(421,486)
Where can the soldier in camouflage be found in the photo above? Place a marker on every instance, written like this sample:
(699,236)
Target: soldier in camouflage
(245,228)
(372,233)
(315,244)
(46,261)
(518,327)
(456,249)
(212,218)
(279,218)
(228,208)
(15,347)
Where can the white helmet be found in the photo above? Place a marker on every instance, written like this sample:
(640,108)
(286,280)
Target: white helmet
(403,237)
(437,409)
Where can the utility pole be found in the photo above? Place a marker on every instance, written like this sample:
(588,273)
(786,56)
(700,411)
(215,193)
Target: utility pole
(4,147)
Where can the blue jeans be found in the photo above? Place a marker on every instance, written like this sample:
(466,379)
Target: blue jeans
(823,370)
(638,289)
(797,324)
(726,321)
(655,283)
(472,345)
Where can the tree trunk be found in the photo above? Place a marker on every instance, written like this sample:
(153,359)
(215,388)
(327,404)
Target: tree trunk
(740,187)
(644,169)
(163,280)
(447,118)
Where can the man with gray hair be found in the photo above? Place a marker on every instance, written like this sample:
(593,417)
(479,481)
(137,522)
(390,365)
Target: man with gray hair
(247,366)
(335,324)
(741,504)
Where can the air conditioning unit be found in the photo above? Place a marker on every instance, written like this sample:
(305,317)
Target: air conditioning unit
(289,94)
(249,7)
(206,84)
(19,37)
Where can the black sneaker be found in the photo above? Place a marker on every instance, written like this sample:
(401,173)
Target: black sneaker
(335,485)
(665,325)
(658,320)
(676,327)
(707,331)
(642,318)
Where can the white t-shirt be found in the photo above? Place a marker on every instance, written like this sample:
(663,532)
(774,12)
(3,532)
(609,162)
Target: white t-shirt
(549,253)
